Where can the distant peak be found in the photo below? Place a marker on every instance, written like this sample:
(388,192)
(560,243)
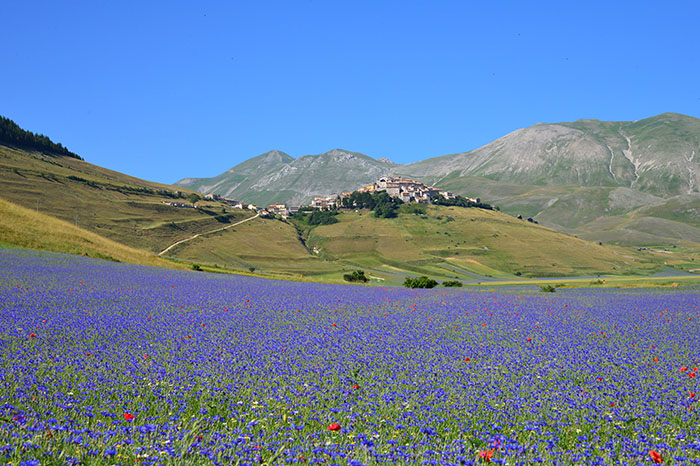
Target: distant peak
(277,153)
(386,161)
(338,152)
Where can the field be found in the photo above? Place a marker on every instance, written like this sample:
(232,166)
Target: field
(26,228)
(447,243)
(113,205)
(105,363)
(454,242)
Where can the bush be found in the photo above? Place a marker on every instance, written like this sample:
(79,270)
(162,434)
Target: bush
(420,282)
(385,211)
(547,288)
(323,217)
(415,209)
(356,276)
(452,283)
(196,268)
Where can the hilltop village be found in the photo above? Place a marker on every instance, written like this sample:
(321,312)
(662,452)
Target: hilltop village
(404,189)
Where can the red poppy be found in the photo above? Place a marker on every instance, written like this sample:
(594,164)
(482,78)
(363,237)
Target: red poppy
(691,395)
(486,455)
(656,456)
(334,427)
(691,374)
(467,359)
(129,417)
(32,335)
(529,339)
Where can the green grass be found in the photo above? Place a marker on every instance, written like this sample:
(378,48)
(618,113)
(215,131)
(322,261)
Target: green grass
(111,204)
(445,243)
(25,228)
(473,241)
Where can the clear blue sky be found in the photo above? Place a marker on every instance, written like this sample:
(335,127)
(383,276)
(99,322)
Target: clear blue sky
(167,90)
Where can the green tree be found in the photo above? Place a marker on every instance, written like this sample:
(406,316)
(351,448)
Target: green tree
(356,276)
(420,282)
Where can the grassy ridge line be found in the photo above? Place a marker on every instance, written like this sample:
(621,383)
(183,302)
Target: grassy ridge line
(477,241)
(29,229)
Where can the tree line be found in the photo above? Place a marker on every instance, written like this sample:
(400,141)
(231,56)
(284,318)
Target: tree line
(383,205)
(460,201)
(12,135)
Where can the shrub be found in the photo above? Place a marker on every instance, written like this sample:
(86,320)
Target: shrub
(323,217)
(356,276)
(420,282)
(452,283)
(547,288)
(385,211)
(415,209)
(196,268)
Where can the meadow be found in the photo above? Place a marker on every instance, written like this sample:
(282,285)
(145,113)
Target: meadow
(105,363)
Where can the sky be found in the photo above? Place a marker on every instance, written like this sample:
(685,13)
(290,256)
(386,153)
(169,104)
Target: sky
(168,90)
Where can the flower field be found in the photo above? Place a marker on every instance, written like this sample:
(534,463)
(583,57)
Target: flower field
(104,363)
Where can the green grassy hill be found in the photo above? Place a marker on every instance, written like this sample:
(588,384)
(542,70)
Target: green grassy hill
(116,206)
(65,204)
(28,229)
(458,242)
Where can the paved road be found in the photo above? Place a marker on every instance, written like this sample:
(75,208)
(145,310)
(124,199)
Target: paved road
(206,233)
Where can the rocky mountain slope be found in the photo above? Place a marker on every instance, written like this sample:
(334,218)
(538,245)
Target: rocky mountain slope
(570,176)
(658,155)
(277,177)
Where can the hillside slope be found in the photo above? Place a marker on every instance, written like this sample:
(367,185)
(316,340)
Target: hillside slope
(29,229)
(276,177)
(453,241)
(658,155)
(590,178)
(116,206)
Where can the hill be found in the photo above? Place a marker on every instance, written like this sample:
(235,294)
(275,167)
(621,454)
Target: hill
(595,179)
(656,155)
(277,177)
(459,242)
(443,242)
(29,229)
(12,135)
(119,207)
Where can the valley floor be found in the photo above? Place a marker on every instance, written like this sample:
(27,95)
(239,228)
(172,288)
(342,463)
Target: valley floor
(106,362)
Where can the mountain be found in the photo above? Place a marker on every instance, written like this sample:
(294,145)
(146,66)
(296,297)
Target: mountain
(658,155)
(59,202)
(603,181)
(277,177)
(596,179)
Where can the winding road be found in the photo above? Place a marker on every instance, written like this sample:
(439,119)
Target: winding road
(205,233)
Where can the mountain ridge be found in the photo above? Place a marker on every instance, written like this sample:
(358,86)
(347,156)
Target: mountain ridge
(656,155)
(601,169)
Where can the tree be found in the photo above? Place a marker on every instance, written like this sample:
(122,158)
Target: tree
(12,135)
(193,198)
(385,211)
(356,276)
(420,282)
